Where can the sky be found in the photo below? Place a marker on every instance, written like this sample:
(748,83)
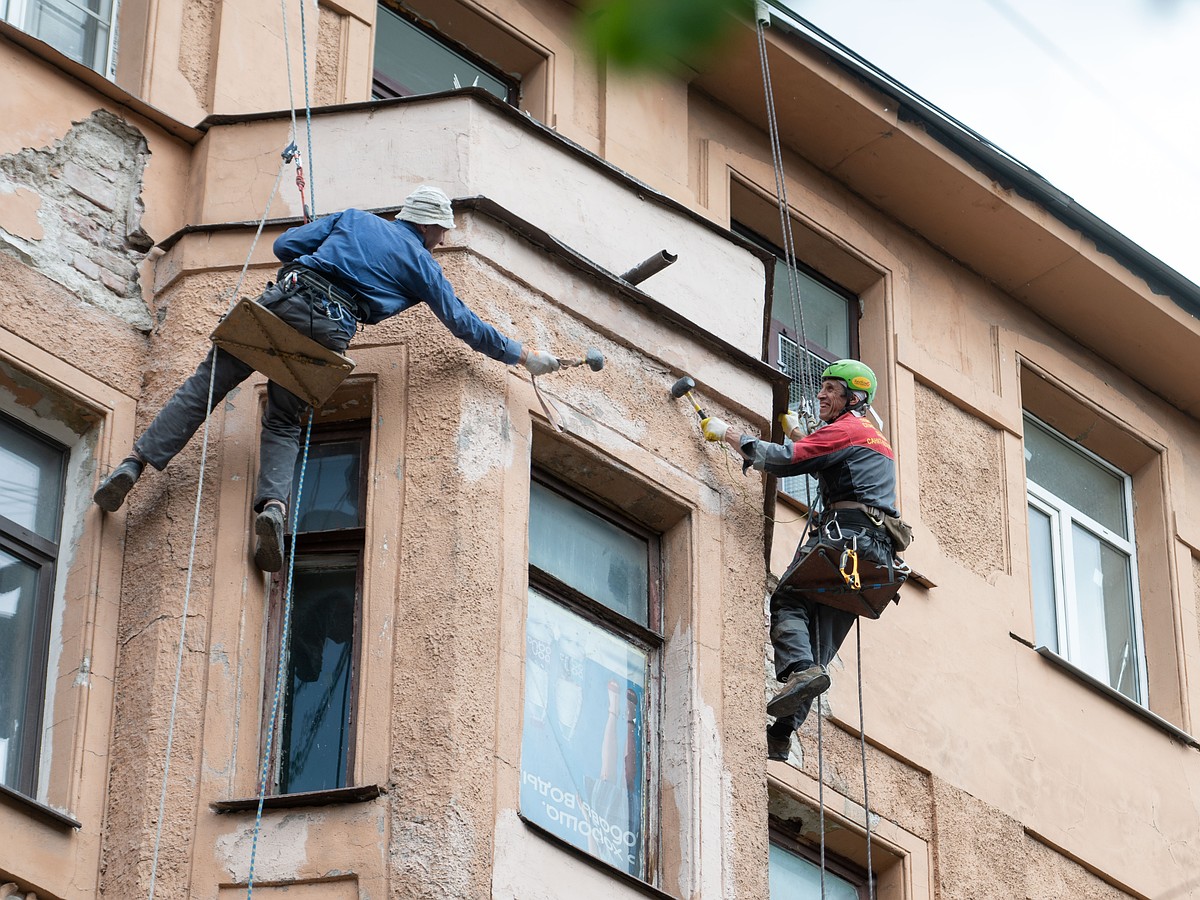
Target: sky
(1099,97)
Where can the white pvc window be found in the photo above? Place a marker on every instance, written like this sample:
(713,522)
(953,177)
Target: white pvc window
(1083,560)
(81,29)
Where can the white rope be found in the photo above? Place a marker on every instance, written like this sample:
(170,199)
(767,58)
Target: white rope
(862,746)
(282,663)
(785,218)
(820,751)
(187,592)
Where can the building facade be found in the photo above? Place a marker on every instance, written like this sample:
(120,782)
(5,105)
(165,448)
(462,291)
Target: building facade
(524,653)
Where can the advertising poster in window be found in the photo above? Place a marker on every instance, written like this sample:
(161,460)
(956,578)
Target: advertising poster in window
(583,747)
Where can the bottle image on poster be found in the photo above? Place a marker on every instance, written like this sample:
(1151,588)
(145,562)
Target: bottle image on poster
(582,750)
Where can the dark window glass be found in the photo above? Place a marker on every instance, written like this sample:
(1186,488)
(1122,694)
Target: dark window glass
(318,697)
(317,713)
(410,60)
(802,349)
(31,491)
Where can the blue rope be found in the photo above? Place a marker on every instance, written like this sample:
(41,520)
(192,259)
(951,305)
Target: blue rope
(312,179)
(279,671)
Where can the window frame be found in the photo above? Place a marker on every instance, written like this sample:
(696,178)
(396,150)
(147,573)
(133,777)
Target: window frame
(17,13)
(786,838)
(774,329)
(42,553)
(649,639)
(385,88)
(313,544)
(1063,517)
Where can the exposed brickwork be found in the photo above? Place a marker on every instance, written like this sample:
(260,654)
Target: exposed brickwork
(90,238)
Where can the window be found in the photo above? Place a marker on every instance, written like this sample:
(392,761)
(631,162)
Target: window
(592,651)
(830,326)
(318,701)
(411,59)
(795,873)
(82,29)
(31,495)
(1083,560)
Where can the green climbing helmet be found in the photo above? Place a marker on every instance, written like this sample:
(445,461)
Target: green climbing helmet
(858,376)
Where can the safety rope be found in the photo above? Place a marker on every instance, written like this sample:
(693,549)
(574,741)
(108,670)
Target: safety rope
(808,372)
(187,591)
(808,382)
(808,379)
(862,746)
(293,152)
(307,109)
(820,751)
(284,634)
(290,577)
(289,154)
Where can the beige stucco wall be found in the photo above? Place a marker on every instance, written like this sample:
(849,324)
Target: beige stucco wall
(991,772)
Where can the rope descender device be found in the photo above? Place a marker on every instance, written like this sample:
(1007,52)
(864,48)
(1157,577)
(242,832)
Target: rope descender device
(292,153)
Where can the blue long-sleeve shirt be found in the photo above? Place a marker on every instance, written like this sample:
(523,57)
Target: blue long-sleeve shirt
(387,265)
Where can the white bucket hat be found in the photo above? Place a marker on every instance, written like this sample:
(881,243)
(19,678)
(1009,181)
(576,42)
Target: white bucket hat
(427,206)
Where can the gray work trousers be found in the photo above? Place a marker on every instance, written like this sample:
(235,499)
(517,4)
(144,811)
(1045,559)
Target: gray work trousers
(306,310)
(804,632)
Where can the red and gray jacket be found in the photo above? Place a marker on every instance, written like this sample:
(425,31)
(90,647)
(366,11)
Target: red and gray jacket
(850,458)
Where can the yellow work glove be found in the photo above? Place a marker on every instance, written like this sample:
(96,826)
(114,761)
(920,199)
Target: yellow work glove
(790,422)
(714,429)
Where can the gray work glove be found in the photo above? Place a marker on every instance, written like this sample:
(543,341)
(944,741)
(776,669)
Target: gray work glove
(539,362)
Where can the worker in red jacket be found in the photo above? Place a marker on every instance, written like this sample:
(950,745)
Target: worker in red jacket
(856,474)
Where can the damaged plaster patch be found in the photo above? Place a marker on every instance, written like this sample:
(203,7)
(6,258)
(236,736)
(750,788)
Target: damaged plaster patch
(89,236)
(195,50)
(282,849)
(484,438)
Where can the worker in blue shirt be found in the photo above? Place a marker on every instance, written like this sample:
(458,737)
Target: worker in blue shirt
(341,271)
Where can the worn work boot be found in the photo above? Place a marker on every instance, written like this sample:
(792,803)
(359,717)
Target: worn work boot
(779,747)
(268,554)
(802,685)
(111,493)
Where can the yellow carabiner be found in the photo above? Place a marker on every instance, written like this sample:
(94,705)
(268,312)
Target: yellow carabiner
(851,578)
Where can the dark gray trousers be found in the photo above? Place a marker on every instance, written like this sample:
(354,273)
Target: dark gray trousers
(804,632)
(305,310)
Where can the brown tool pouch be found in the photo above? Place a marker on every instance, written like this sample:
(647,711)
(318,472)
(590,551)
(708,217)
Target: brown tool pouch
(899,531)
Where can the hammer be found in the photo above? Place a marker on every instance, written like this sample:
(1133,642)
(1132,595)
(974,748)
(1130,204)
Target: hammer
(683,388)
(594,360)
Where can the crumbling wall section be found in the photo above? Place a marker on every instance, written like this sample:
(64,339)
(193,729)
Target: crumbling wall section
(328,79)
(84,196)
(196,47)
